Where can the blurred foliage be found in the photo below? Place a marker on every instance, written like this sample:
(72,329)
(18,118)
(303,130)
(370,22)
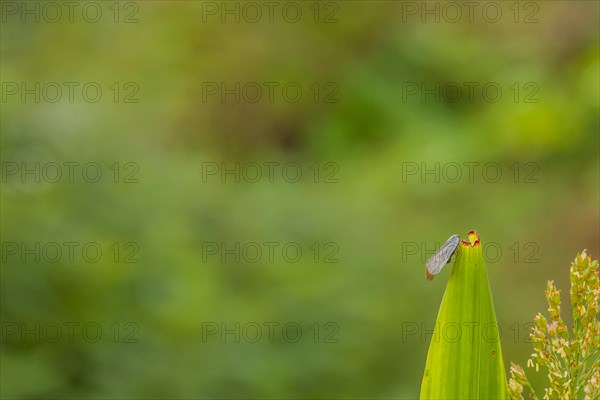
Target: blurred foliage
(376,289)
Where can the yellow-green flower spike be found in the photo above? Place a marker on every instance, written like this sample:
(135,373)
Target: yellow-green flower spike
(571,359)
(464,360)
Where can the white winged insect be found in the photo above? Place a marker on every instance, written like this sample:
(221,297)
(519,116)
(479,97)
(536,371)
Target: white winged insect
(436,262)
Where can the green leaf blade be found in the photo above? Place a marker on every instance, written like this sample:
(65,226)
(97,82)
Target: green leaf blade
(464,360)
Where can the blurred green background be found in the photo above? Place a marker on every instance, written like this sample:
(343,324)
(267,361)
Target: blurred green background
(367,305)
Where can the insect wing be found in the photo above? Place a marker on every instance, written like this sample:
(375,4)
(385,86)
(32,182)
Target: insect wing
(437,261)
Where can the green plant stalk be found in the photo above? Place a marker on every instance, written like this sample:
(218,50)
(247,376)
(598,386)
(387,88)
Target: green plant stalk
(464,360)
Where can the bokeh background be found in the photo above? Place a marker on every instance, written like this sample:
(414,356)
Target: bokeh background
(367,305)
